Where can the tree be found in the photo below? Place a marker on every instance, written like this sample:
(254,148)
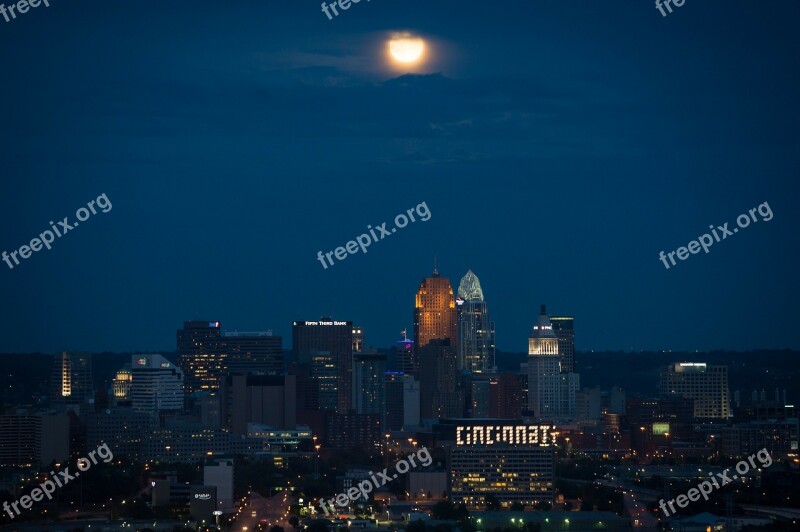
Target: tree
(276,528)
(517,507)
(294,521)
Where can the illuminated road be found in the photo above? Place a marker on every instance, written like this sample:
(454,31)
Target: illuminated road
(258,509)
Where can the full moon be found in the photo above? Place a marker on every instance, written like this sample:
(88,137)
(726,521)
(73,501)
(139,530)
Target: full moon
(406,49)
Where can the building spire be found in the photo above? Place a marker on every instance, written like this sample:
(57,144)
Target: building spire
(544,310)
(435,270)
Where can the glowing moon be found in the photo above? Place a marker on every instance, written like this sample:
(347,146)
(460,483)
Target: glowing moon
(406,49)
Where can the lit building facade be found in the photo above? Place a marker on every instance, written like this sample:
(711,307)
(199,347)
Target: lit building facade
(201,355)
(122,383)
(551,392)
(71,378)
(707,385)
(515,463)
(335,337)
(156,384)
(435,316)
(358,339)
(475,329)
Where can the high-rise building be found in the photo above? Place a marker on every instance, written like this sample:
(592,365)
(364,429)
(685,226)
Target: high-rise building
(551,393)
(475,329)
(253,352)
(406,355)
(564,327)
(346,431)
(266,399)
(480,392)
(33,440)
(513,463)
(506,399)
(369,385)
(71,378)
(544,369)
(358,339)
(402,401)
(156,384)
(219,474)
(441,392)
(435,315)
(325,372)
(335,337)
(707,385)
(122,384)
(201,355)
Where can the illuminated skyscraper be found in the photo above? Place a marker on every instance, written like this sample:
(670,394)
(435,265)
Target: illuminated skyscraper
(551,394)
(122,384)
(435,312)
(71,378)
(475,346)
(156,384)
(706,384)
(335,337)
(201,355)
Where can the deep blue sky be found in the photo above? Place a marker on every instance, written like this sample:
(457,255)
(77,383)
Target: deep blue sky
(559,146)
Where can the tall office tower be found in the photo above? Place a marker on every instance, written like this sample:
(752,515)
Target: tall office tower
(156,384)
(201,356)
(71,378)
(475,330)
(358,339)
(33,440)
(480,391)
(253,352)
(564,327)
(441,394)
(435,312)
(122,383)
(336,337)
(505,397)
(369,384)
(544,369)
(402,401)
(325,373)
(707,385)
(406,355)
(266,399)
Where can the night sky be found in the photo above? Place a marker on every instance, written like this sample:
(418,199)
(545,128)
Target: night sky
(559,145)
